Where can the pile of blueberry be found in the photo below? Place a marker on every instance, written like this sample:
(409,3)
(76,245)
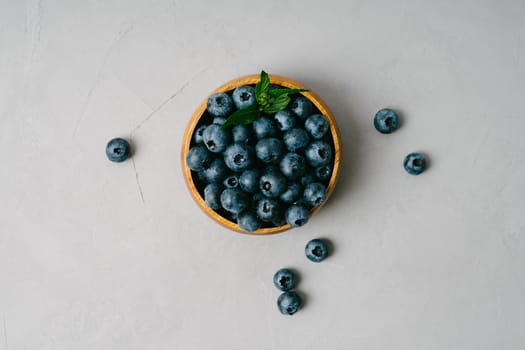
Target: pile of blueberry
(266,173)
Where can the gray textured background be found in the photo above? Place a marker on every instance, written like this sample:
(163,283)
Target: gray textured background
(429,262)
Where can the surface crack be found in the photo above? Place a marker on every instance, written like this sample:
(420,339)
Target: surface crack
(165,102)
(138,181)
(151,115)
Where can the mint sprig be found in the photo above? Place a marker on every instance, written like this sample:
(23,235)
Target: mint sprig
(267,101)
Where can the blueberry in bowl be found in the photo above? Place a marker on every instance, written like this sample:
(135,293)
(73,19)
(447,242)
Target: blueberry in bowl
(261,154)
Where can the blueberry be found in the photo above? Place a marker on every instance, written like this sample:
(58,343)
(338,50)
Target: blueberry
(212,195)
(324,172)
(238,156)
(231,181)
(292,165)
(248,221)
(197,134)
(307,178)
(289,303)
(118,150)
(256,197)
(198,157)
(318,153)
(293,192)
(386,121)
(220,105)
(216,171)
(269,150)
(215,139)
(285,120)
(302,107)
(242,133)
(249,180)
(219,120)
(267,209)
(279,220)
(272,184)
(295,139)
(415,163)
(244,96)
(264,127)
(316,125)
(314,193)
(316,250)
(297,215)
(284,280)
(234,200)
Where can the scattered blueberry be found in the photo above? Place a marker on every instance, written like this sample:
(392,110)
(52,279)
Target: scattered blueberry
(198,157)
(215,139)
(316,250)
(249,180)
(295,139)
(220,105)
(316,125)
(415,163)
(238,156)
(269,150)
(289,303)
(244,96)
(285,120)
(284,280)
(386,121)
(297,215)
(264,127)
(302,107)
(314,193)
(212,195)
(318,153)
(234,200)
(118,150)
(248,221)
(292,165)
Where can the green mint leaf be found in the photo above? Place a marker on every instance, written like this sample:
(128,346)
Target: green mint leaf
(280,92)
(243,116)
(261,87)
(278,104)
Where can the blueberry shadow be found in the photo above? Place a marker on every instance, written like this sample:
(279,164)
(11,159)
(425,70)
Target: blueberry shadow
(304,298)
(428,160)
(132,146)
(331,246)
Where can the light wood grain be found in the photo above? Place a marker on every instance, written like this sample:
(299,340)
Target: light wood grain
(246,80)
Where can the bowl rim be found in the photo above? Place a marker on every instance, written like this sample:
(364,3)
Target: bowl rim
(231,85)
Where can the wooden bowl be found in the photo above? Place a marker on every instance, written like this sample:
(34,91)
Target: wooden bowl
(229,86)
